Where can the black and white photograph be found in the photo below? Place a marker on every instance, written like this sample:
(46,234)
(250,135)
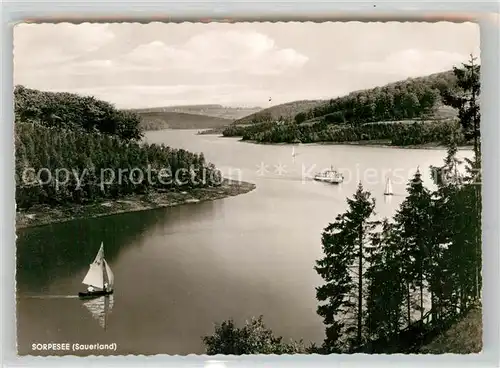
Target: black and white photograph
(235,188)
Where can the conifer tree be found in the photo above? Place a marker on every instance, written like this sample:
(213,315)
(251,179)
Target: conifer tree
(447,213)
(85,155)
(386,285)
(466,101)
(413,224)
(342,269)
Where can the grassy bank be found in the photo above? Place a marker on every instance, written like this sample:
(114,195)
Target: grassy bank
(38,216)
(464,337)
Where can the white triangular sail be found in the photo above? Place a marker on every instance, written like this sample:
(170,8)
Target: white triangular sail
(388,187)
(111,276)
(100,275)
(95,275)
(100,254)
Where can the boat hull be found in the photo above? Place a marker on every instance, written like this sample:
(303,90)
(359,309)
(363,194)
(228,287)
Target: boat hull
(330,181)
(94,294)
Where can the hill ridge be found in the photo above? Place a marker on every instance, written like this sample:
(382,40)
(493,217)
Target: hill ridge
(212,110)
(179,120)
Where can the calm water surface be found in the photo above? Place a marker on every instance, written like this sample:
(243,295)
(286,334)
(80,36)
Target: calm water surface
(180,270)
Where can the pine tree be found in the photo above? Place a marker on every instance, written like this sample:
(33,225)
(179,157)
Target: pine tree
(87,154)
(413,224)
(445,263)
(386,285)
(343,246)
(466,101)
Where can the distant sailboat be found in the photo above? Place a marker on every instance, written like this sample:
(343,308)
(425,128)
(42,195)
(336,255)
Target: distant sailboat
(388,188)
(99,278)
(293,151)
(100,308)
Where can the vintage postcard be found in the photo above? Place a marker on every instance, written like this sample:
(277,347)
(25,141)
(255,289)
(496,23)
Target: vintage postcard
(248,188)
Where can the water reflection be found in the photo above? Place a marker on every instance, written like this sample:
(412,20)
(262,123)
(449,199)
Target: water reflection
(388,199)
(100,308)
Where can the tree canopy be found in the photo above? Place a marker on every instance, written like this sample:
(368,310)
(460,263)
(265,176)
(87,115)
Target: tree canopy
(72,111)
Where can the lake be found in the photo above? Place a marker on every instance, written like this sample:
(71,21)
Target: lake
(180,270)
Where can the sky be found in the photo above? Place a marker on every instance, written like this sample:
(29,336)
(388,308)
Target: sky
(136,65)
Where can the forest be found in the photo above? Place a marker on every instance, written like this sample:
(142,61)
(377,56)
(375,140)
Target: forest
(407,112)
(408,99)
(402,133)
(76,150)
(72,111)
(392,284)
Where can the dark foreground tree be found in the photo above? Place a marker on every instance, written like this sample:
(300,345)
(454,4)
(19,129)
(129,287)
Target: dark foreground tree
(466,100)
(386,285)
(253,338)
(342,269)
(413,225)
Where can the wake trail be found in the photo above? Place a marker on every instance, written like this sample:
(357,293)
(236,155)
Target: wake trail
(48,296)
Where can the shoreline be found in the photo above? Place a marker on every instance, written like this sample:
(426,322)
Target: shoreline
(373,143)
(378,144)
(42,216)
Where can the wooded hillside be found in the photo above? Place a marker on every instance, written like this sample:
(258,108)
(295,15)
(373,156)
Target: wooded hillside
(176,120)
(408,112)
(72,111)
(279,112)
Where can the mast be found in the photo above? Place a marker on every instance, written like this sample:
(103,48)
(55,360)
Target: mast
(103,267)
(108,275)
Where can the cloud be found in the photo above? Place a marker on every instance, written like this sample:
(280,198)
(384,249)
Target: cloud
(216,56)
(218,52)
(246,63)
(409,63)
(37,45)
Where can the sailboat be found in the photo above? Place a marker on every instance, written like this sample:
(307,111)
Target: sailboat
(99,278)
(293,151)
(100,307)
(388,187)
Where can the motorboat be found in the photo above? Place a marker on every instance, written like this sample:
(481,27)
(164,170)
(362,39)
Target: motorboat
(331,176)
